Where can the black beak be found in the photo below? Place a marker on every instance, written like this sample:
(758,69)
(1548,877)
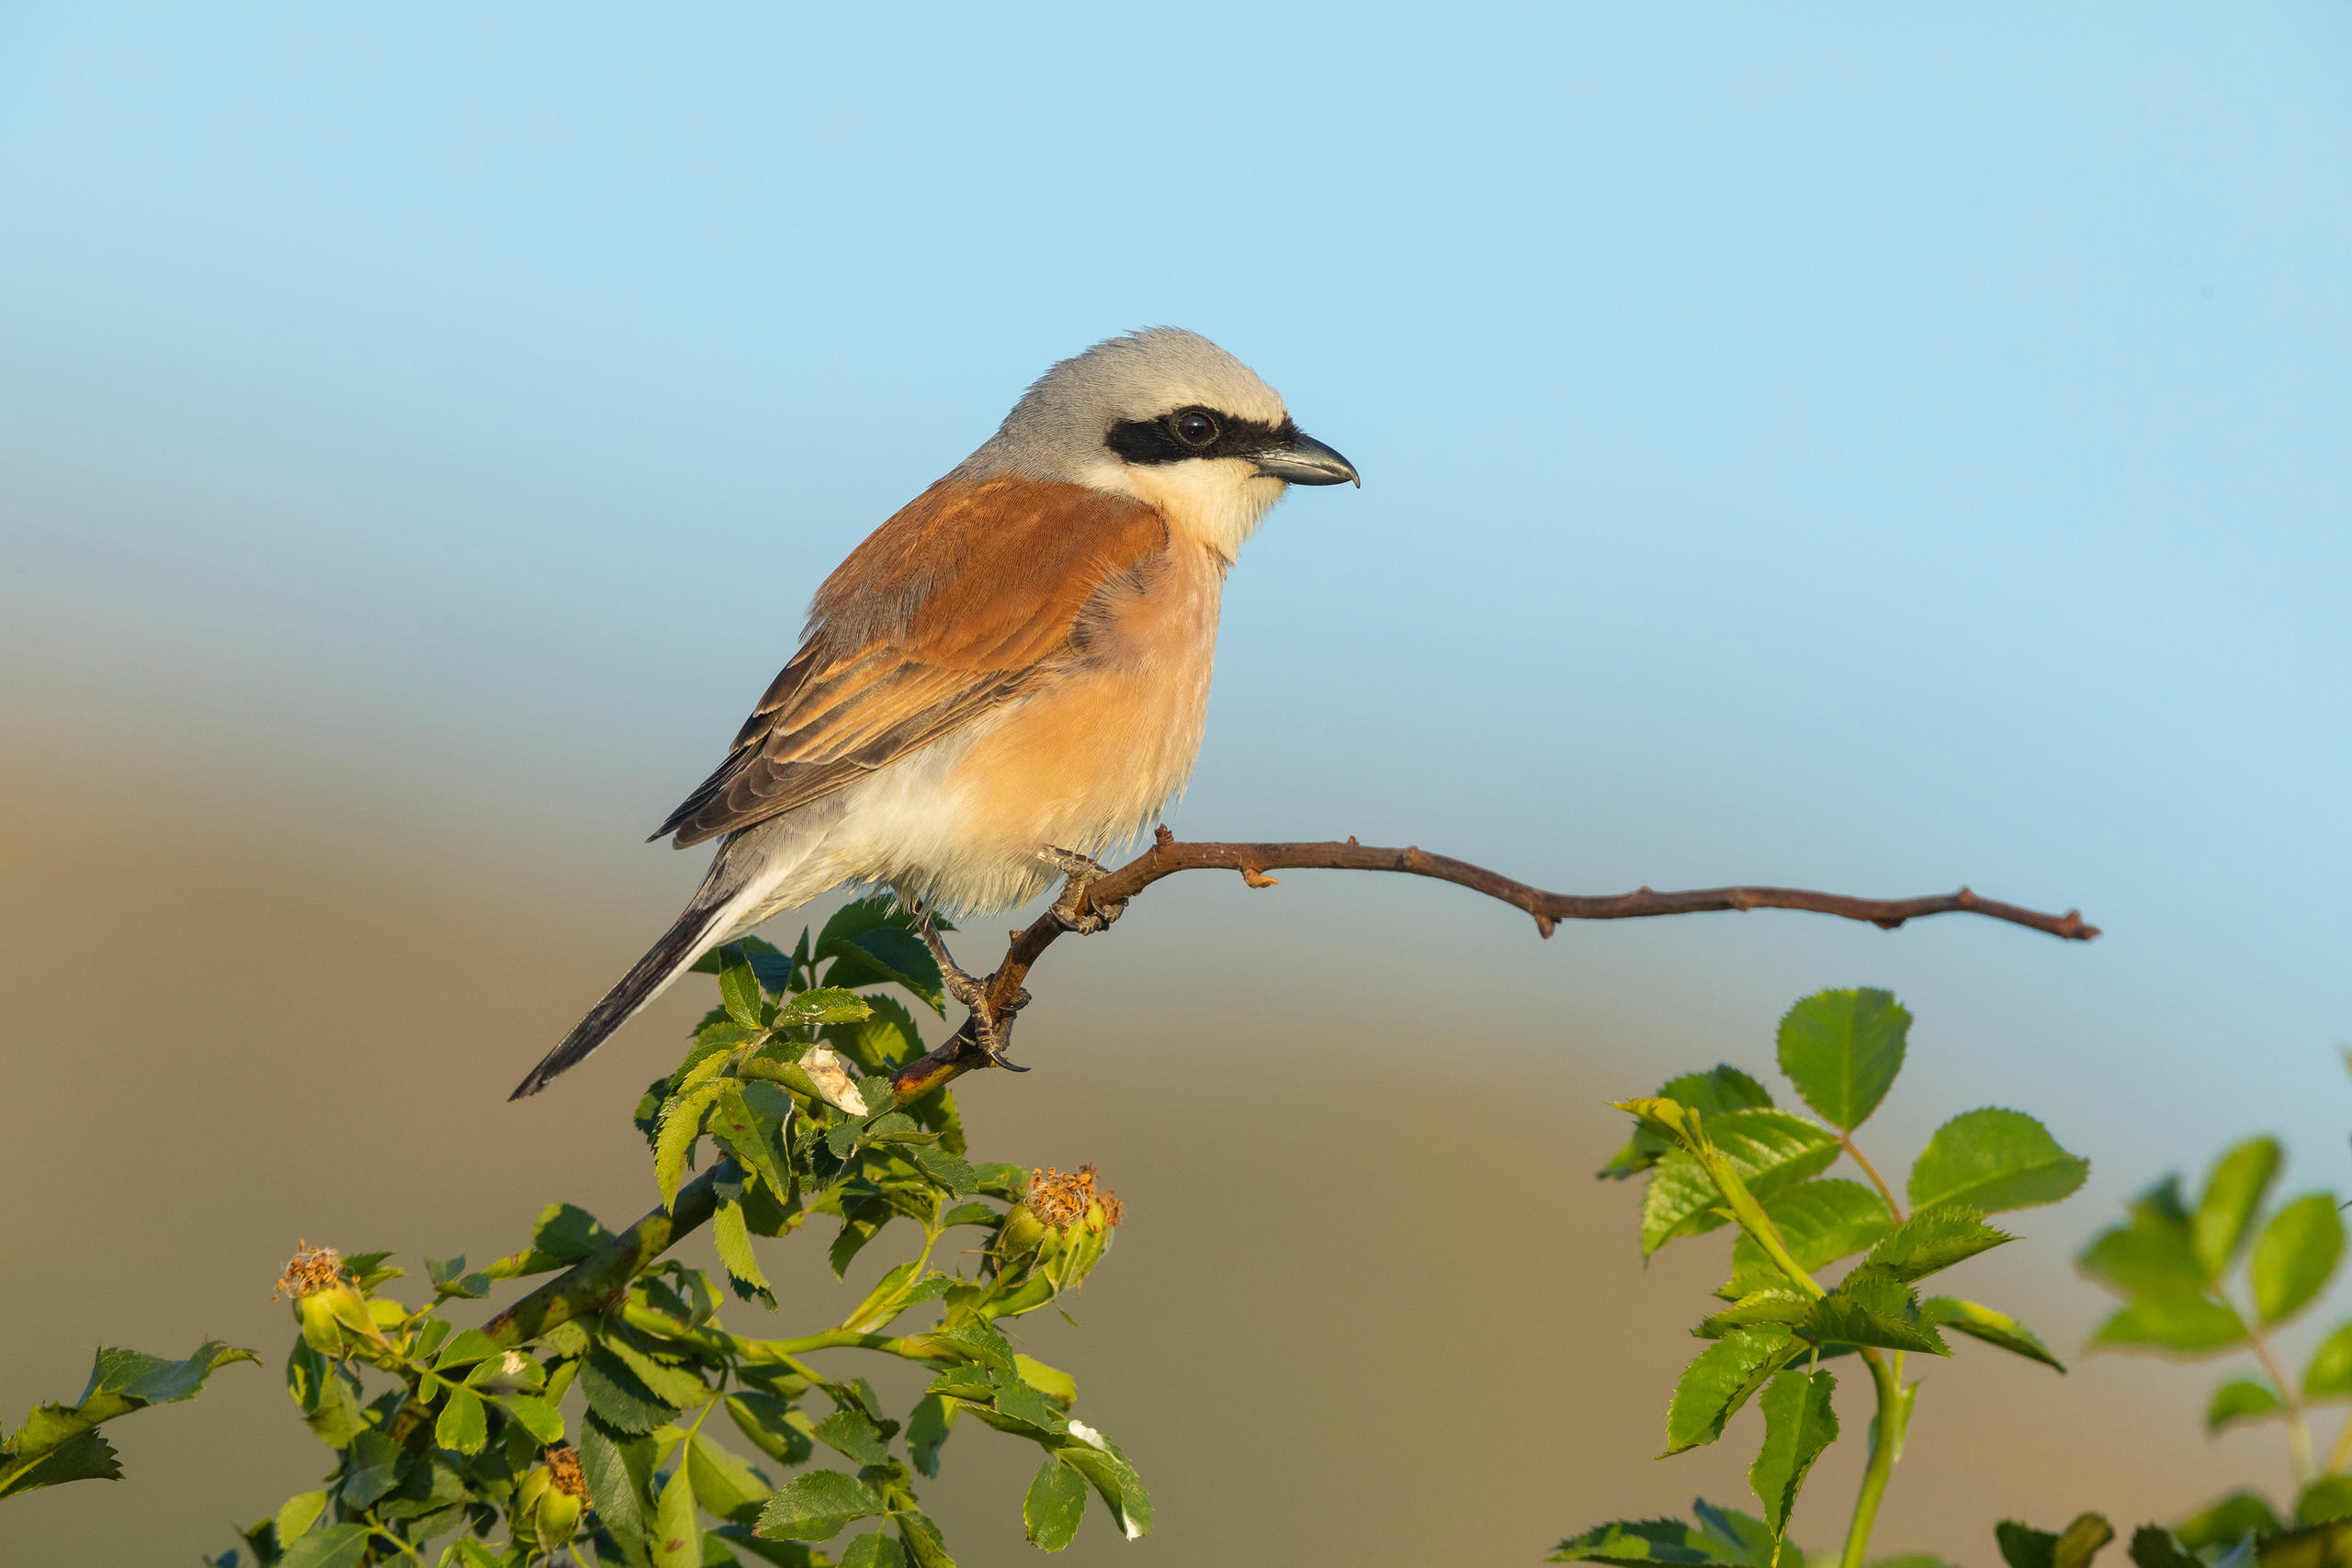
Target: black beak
(1307,461)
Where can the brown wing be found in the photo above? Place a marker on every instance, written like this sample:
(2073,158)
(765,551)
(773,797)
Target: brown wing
(966,599)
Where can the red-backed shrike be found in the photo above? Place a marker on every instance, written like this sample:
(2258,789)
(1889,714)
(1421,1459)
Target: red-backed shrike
(1007,676)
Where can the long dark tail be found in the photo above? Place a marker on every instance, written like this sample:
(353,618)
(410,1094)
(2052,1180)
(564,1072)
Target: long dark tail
(670,958)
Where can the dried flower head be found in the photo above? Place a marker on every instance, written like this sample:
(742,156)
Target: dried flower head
(563,1469)
(310,1270)
(1061,1201)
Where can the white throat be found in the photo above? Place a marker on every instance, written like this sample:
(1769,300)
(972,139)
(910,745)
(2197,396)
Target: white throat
(1218,501)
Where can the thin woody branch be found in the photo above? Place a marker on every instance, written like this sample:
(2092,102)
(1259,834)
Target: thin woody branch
(1167,856)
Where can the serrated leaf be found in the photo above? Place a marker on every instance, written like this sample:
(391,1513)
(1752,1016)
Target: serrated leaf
(1781,1306)
(1932,1240)
(297,1514)
(751,1136)
(567,1234)
(1872,1308)
(618,1467)
(83,1456)
(1767,1149)
(2153,1546)
(2329,1375)
(826,1004)
(2242,1400)
(921,1539)
(1017,1398)
(1717,1089)
(676,1540)
(681,1385)
(928,1429)
(336,1546)
(852,1432)
(2188,1325)
(1798,1423)
(1995,1159)
(1726,1375)
(731,1237)
(1820,1222)
(2233,1192)
(1842,1049)
(2296,1255)
(2025,1547)
(1054,1506)
(738,988)
(1639,1543)
(464,1424)
(815,1506)
(776,1428)
(534,1415)
(1993,1327)
(620,1399)
(1115,1481)
(723,1484)
(955,1175)
(681,1126)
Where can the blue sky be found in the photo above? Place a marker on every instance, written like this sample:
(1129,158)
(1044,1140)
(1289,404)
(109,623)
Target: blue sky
(1862,449)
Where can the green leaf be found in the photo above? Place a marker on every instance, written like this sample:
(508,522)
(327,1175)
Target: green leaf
(1726,1375)
(2329,1376)
(2186,1325)
(1993,1327)
(374,1468)
(738,988)
(815,1506)
(656,1369)
(83,1456)
(2025,1547)
(1767,1149)
(2242,1400)
(775,1427)
(1638,1543)
(1098,1459)
(1933,1239)
(337,1546)
(1798,1423)
(826,1004)
(676,1540)
(1821,1222)
(1870,1307)
(750,1132)
(1017,1398)
(1842,1050)
(297,1514)
(953,1173)
(1719,1089)
(2233,1193)
(2155,1252)
(732,1238)
(2329,1497)
(927,1431)
(925,1546)
(566,1234)
(2296,1255)
(876,1551)
(2153,1546)
(681,1126)
(1995,1159)
(1782,1306)
(328,1394)
(2227,1521)
(464,1424)
(1055,1504)
(618,1397)
(723,1484)
(467,1348)
(618,1467)
(852,1432)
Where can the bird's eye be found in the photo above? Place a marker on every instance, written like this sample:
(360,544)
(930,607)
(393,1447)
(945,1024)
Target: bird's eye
(1195,428)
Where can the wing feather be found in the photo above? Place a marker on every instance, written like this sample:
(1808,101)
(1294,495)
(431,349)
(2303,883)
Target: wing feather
(972,595)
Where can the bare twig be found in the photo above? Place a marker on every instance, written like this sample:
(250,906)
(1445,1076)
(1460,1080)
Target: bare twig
(1167,856)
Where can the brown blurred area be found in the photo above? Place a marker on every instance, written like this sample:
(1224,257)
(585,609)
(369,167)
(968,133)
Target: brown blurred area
(1370,1306)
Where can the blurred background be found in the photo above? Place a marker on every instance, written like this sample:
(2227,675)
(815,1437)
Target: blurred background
(1835,447)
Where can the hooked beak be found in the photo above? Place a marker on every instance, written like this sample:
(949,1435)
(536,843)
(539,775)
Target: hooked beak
(1307,461)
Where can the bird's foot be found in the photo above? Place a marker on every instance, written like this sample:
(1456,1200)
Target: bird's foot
(991,1025)
(1074,911)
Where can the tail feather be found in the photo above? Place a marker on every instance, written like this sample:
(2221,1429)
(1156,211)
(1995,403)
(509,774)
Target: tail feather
(697,931)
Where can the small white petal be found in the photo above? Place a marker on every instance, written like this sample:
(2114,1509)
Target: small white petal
(824,1065)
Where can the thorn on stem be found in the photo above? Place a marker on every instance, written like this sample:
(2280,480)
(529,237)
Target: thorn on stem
(1543,924)
(1255,878)
(1161,837)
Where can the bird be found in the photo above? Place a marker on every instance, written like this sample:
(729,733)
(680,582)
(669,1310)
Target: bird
(1007,677)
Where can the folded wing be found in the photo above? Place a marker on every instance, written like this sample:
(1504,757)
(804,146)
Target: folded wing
(969,598)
